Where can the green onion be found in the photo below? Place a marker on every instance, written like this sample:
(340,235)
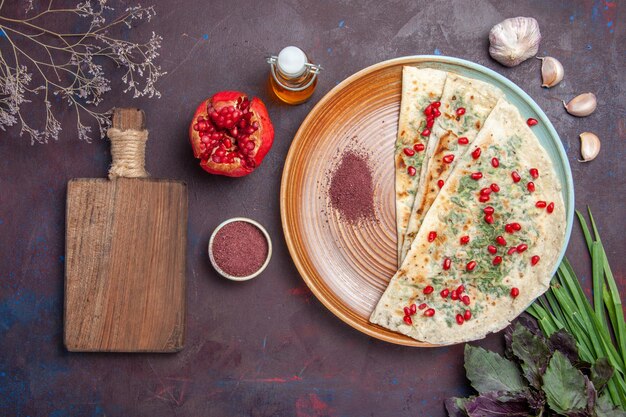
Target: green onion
(565,306)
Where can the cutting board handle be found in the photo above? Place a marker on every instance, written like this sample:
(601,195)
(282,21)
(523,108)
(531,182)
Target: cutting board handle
(128,137)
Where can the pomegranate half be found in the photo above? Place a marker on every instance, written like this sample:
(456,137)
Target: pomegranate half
(231,134)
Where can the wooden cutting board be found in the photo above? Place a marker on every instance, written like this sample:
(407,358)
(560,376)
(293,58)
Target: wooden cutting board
(125,258)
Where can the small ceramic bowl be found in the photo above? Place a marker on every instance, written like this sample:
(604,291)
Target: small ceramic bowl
(269,249)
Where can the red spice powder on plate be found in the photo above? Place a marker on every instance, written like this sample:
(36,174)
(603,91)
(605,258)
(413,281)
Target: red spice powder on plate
(351,188)
(240,249)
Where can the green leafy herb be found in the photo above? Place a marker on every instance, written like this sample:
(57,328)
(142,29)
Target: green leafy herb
(598,328)
(543,377)
(564,385)
(488,371)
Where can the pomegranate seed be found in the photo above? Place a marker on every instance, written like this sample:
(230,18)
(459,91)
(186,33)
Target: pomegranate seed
(426,132)
(413,309)
(485,191)
(460,111)
(446,263)
(508,228)
(448,159)
(530,187)
(195,127)
(467,315)
(497,260)
(550,208)
(466,300)
(432,236)
(492,249)
(440,183)
(495,188)
(422,306)
(430,123)
(465,240)
(429,110)
(476,153)
(489,218)
(407,320)
(501,241)
(436,113)
(459,319)
(471,265)
(419,147)
(516,226)
(202,125)
(454,295)
(429,289)
(436,104)
(489,210)
(411,171)
(407,311)
(534,172)
(531,121)
(522,247)
(228,143)
(444,293)
(515,176)
(477,175)
(495,163)
(430,312)
(514,292)
(463,141)
(541,204)
(512,250)
(460,289)
(409,152)
(534,260)
(483,198)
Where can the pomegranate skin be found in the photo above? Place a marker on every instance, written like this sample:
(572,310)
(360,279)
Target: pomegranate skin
(263,136)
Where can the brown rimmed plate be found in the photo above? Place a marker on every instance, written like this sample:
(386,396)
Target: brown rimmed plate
(347,266)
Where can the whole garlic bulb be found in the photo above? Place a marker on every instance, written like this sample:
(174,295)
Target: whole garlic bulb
(514,40)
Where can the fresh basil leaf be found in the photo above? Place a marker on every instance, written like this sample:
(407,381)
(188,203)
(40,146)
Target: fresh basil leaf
(455,406)
(605,408)
(532,351)
(496,404)
(488,371)
(601,372)
(564,385)
(564,342)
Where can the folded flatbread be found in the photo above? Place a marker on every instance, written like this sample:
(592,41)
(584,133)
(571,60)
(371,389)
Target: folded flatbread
(456,213)
(477,99)
(420,87)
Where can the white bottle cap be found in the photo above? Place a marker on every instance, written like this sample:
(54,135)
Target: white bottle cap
(291,61)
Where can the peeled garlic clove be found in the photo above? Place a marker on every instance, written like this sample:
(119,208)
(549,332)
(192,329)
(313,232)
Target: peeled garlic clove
(582,105)
(589,146)
(514,40)
(551,71)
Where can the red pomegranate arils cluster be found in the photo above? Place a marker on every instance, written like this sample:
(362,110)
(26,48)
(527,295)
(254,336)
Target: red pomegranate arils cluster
(431,112)
(218,131)
(409,311)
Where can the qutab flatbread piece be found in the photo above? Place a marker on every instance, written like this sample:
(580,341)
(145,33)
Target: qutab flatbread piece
(456,215)
(475,99)
(420,87)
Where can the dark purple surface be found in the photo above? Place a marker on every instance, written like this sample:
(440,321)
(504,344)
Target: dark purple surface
(266,347)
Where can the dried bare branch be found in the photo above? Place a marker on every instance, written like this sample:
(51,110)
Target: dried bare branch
(69,66)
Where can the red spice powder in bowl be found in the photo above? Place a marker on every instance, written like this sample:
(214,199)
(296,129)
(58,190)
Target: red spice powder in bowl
(240,249)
